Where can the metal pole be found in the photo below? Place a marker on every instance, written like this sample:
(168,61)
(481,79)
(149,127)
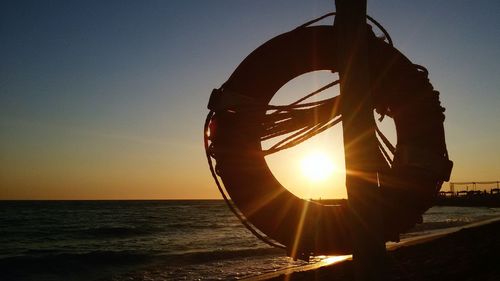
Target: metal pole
(360,144)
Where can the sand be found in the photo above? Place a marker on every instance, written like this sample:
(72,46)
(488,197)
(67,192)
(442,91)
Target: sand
(469,254)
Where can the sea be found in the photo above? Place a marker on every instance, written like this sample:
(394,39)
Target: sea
(151,240)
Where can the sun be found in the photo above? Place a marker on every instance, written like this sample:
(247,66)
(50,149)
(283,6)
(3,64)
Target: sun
(317,166)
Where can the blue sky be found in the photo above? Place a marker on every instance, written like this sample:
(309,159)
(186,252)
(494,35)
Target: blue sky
(106,99)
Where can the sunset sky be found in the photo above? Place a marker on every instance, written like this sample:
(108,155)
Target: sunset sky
(106,99)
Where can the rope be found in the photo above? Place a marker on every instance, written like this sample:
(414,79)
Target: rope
(326,87)
(384,152)
(229,203)
(386,141)
(300,137)
(321,111)
(372,20)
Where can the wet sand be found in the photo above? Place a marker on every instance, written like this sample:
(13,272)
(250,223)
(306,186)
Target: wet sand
(468,254)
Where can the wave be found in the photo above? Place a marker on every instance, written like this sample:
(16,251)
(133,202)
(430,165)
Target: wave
(70,266)
(84,266)
(201,257)
(436,225)
(202,225)
(117,231)
(426,227)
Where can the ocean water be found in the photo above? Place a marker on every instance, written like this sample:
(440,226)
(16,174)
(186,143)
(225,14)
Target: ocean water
(149,240)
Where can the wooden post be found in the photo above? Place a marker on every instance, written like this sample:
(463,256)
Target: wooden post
(360,144)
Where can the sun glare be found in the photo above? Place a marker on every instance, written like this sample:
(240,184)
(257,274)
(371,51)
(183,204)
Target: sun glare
(317,166)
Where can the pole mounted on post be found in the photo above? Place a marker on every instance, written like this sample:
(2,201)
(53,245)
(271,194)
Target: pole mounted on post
(360,143)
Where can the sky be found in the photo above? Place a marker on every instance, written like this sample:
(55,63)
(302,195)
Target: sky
(106,99)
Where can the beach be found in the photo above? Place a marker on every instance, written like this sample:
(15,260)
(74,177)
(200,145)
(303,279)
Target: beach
(468,254)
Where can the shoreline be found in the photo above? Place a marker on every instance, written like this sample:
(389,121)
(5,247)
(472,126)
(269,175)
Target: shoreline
(418,258)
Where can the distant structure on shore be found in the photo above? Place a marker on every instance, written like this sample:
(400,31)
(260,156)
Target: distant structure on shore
(471,194)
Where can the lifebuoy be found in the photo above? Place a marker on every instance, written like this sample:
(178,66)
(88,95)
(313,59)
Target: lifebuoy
(400,90)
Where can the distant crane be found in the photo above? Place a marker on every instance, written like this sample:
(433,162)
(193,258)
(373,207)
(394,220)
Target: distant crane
(474,184)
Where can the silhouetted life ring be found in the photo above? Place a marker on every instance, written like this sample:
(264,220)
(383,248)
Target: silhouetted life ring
(400,89)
